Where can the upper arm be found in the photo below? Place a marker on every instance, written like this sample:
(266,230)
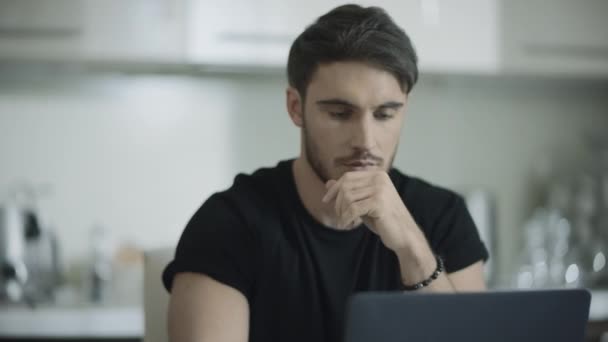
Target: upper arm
(470,278)
(202,309)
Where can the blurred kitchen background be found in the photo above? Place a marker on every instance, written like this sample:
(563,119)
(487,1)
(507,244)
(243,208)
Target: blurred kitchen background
(119,118)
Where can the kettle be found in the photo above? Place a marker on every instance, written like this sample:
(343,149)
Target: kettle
(17,225)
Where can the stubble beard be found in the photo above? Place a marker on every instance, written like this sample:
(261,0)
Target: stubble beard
(312,155)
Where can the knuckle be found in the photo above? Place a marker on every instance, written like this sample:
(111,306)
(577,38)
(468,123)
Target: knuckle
(348,214)
(349,196)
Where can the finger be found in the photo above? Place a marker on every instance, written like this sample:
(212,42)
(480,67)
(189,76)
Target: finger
(355,184)
(349,199)
(346,197)
(329,183)
(350,181)
(332,187)
(351,196)
(338,204)
(358,209)
(358,174)
(358,194)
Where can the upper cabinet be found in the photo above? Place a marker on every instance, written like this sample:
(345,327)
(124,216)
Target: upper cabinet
(91,30)
(464,36)
(555,37)
(449,36)
(243,32)
(134,30)
(32,29)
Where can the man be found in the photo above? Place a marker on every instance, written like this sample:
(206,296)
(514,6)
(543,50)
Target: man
(276,256)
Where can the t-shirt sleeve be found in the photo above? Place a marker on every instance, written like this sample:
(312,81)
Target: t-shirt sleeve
(455,237)
(216,242)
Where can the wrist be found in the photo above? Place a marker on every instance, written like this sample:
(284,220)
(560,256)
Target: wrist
(414,247)
(410,237)
(427,281)
(416,263)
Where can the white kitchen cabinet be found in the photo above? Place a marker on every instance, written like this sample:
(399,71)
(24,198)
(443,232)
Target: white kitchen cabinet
(91,30)
(449,36)
(562,37)
(134,30)
(553,37)
(247,33)
(48,30)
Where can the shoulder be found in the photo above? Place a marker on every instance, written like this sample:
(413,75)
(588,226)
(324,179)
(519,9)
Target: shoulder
(421,193)
(250,196)
(436,209)
(258,188)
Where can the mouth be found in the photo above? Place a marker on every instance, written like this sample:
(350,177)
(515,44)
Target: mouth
(361,163)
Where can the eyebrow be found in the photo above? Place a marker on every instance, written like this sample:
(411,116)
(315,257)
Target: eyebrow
(341,102)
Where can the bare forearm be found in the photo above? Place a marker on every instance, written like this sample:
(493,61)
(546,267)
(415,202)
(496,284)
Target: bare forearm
(417,263)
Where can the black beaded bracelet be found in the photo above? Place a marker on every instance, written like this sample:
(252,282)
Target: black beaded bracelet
(430,279)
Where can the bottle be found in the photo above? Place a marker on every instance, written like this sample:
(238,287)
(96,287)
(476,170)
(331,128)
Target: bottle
(101,270)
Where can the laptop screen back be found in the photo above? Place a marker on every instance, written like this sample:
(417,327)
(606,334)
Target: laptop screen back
(522,316)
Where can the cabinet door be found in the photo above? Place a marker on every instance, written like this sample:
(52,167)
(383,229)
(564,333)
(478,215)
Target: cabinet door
(451,36)
(556,36)
(134,30)
(92,30)
(448,35)
(248,33)
(40,30)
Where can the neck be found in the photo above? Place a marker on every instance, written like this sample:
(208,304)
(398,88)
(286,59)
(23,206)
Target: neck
(311,190)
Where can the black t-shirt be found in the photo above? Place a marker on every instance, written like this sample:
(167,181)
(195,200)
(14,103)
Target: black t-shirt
(298,274)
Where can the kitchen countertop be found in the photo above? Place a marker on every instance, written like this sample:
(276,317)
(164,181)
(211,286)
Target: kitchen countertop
(599,305)
(72,322)
(128,321)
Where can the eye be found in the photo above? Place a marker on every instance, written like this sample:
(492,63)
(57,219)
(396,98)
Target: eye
(383,116)
(340,115)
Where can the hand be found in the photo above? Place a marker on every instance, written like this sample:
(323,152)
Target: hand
(371,196)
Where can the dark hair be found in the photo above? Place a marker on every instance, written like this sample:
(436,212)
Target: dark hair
(353,33)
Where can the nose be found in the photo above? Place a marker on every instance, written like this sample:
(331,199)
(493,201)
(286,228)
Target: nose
(362,134)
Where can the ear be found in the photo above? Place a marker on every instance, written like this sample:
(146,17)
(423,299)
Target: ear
(294,106)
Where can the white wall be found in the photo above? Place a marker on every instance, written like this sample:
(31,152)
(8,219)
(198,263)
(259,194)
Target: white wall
(135,155)
(138,154)
(497,133)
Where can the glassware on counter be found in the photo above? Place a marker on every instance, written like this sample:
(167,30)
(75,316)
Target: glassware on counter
(566,238)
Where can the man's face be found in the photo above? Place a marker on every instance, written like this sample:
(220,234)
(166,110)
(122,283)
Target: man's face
(352,119)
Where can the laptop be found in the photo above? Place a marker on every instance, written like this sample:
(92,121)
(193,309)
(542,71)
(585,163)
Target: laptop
(509,316)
